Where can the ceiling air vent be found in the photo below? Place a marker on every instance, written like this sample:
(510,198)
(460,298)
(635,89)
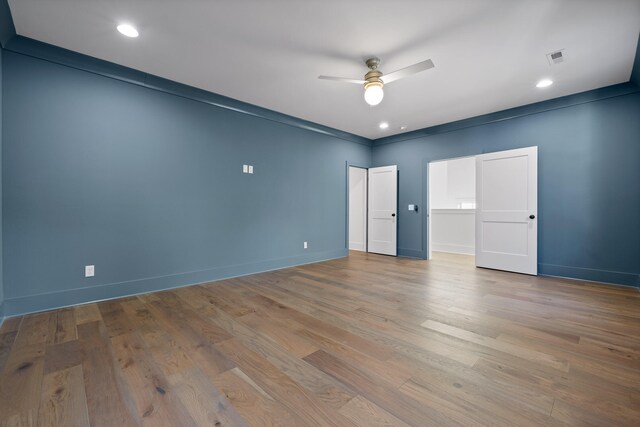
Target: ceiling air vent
(556,57)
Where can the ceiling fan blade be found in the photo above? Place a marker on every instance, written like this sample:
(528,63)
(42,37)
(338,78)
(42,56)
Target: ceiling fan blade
(407,71)
(342,79)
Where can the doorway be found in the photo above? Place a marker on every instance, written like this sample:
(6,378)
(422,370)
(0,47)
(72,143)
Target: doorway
(452,205)
(486,206)
(372,211)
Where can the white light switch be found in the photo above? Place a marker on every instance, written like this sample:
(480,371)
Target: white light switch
(250,168)
(89,271)
(245,168)
(305,245)
(412,207)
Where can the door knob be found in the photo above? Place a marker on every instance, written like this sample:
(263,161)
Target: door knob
(393,214)
(532,216)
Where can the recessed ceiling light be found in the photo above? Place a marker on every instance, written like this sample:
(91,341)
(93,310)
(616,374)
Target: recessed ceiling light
(544,83)
(128,30)
(383,125)
(403,127)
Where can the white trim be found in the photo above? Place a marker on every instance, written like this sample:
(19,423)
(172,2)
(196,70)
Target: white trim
(453,249)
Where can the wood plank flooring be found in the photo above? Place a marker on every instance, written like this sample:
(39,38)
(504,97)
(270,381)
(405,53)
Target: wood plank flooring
(367,340)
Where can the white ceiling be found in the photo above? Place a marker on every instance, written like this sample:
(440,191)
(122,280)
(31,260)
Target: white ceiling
(488,54)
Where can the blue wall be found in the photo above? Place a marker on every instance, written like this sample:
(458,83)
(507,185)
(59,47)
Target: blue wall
(142,177)
(1,273)
(589,178)
(148,187)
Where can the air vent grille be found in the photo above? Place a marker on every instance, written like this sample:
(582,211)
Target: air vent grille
(556,57)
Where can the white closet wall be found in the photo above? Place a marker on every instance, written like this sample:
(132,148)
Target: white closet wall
(452,198)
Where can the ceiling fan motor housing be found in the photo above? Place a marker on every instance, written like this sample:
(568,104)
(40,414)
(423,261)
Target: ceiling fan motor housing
(373,78)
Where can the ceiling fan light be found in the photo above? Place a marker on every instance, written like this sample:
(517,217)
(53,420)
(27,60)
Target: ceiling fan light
(373,93)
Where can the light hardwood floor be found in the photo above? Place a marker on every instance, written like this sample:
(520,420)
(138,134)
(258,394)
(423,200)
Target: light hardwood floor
(367,340)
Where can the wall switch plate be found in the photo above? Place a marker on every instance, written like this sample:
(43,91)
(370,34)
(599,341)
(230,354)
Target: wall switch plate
(412,207)
(304,245)
(245,168)
(250,168)
(89,270)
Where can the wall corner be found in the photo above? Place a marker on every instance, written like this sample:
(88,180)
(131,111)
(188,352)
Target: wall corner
(635,72)
(7,28)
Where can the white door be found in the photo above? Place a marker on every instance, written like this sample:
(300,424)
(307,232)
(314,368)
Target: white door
(357,209)
(507,210)
(383,203)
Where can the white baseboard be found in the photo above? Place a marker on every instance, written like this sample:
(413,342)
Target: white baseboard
(66,298)
(454,249)
(354,246)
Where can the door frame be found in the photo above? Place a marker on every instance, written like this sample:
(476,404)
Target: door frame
(348,165)
(427,235)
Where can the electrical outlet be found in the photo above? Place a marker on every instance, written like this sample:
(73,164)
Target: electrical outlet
(250,168)
(304,245)
(89,270)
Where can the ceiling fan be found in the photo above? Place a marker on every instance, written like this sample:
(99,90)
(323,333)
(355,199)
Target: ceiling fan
(374,80)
